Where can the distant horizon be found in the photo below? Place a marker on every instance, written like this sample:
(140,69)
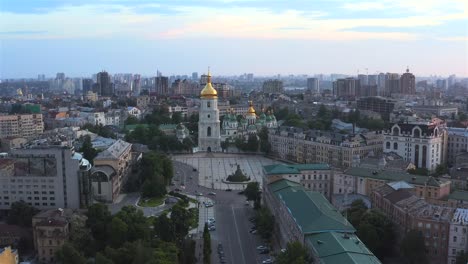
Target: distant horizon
(233,36)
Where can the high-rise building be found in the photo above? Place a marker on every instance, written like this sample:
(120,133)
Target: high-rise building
(162,85)
(209,134)
(273,86)
(41,77)
(441,84)
(381,83)
(103,86)
(313,85)
(87,85)
(195,76)
(392,84)
(363,79)
(136,85)
(345,88)
(373,79)
(407,83)
(60,76)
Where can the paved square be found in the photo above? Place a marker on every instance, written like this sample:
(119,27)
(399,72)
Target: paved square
(214,168)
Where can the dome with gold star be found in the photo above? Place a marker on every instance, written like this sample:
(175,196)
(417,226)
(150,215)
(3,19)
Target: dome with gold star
(208,92)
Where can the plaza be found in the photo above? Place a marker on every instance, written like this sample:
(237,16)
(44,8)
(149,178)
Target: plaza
(214,168)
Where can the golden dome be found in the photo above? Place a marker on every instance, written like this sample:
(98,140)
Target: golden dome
(251,110)
(208,91)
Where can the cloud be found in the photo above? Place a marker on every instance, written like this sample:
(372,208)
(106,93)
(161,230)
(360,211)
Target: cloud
(459,38)
(364,6)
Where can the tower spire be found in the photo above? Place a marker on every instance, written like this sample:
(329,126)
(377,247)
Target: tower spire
(208,79)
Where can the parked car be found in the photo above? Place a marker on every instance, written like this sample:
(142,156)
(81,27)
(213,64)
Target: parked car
(262,247)
(264,251)
(211,220)
(212,228)
(267,261)
(212,193)
(228,190)
(253,231)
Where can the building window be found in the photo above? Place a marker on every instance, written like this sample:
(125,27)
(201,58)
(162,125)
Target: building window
(208,104)
(455,239)
(208,132)
(209,116)
(387,145)
(395,146)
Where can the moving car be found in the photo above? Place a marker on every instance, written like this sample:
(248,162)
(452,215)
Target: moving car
(212,193)
(267,261)
(262,247)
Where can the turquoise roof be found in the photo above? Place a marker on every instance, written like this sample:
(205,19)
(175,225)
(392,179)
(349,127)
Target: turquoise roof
(334,247)
(294,169)
(311,211)
(167,126)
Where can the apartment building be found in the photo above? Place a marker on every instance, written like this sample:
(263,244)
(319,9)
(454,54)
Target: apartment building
(307,217)
(458,236)
(45,176)
(111,168)
(409,212)
(28,126)
(314,177)
(423,144)
(457,143)
(383,106)
(365,181)
(51,229)
(316,146)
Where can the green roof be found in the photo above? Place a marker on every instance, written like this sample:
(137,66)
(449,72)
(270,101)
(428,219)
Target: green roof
(334,247)
(395,176)
(459,195)
(167,126)
(294,169)
(132,127)
(311,211)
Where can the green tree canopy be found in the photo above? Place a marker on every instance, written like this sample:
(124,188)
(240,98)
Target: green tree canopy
(21,213)
(413,248)
(87,149)
(68,254)
(295,253)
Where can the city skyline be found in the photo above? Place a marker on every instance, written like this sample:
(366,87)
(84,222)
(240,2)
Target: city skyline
(233,37)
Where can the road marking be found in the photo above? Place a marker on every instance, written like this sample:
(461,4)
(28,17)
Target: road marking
(238,237)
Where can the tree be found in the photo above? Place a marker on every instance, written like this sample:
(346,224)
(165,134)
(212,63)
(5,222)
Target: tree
(265,145)
(265,223)
(224,145)
(252,143)
(206,245)
(181,219)
(176,118)
(87,149)
(462,258)
(441,169)
(117,232)
(98,219)
(419,171)
(21,214)
(164,228)
(68,254)
(252,191)
(101,259)
(131,120)
(295,253)
(413,248)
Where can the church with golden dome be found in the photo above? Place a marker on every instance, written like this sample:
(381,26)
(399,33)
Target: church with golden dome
(209,128)
(210,131)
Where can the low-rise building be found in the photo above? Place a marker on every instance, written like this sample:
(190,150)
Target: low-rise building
(307,217)
(134,111)
(457,143)
(316,146)
(111,168)
(364,181)
(9,143)
(51,229)
(458,237)
(315,177)
(9,256)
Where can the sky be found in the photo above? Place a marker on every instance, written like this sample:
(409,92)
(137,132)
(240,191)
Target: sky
(232,37)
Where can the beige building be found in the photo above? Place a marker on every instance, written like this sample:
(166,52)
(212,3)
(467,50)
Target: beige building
(8,256)
(51,230)
(30,125)
(315,146)
(9,143)
(315,177)
(111,168)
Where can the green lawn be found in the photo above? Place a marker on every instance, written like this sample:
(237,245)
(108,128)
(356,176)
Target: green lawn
(151,202)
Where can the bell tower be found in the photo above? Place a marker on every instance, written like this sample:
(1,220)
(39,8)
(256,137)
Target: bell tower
(209,136)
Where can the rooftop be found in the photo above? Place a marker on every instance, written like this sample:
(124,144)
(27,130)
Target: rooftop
(459,195)
(334,247)
(396,176)
(460,216)
(311,211)
(114,151)
(294,169)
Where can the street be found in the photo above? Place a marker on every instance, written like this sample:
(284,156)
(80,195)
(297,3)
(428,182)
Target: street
(230,212)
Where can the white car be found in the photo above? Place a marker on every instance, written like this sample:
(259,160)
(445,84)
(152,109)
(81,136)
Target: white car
(267,261)
(211,220)
(262,247)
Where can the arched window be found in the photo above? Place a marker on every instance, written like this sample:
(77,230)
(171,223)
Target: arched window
(208,104)
(208,116)
(395,146)
(208,132)
(436,132)
(396,131)
(417,133)
(388,145)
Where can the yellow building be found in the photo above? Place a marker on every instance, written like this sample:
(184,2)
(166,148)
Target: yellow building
(8,256)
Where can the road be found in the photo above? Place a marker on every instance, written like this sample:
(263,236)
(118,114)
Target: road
(231,214)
